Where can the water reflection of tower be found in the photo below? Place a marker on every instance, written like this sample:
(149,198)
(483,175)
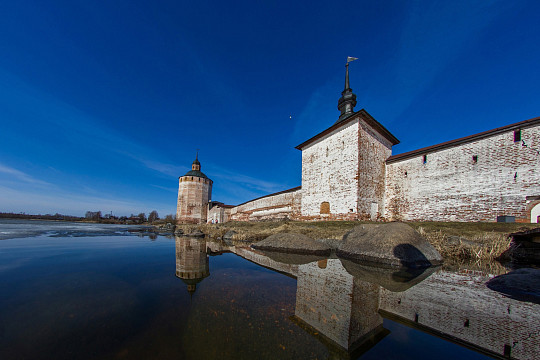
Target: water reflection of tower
(191,261)
(331,302)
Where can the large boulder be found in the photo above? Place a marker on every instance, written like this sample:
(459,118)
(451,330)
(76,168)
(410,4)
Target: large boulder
(293,243)
(394,244)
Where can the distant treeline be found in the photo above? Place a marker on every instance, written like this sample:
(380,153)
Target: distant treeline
(94,216)
(40,217)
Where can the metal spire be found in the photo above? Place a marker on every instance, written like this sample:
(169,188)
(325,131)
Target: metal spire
(347,101)
(347,76)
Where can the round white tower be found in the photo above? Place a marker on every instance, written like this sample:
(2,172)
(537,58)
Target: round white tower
(194,193)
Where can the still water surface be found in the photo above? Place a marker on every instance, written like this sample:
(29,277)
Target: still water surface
(105,297)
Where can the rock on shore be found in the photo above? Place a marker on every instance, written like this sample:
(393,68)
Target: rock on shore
(393,244)
(293,243)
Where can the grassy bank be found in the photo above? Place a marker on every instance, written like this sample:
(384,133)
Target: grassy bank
(457,242)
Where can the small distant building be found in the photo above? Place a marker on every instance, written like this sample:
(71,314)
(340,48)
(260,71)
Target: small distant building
(194,193)
(218,212)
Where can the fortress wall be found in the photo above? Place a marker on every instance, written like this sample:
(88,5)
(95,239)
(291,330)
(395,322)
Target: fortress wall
(282,205)
(193,196)
(330,173)
(218,214)
(373,150)
(258,258)
(463,307)
(451,186)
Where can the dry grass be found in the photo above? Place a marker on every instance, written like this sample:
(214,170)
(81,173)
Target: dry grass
(482,246)
(472,242)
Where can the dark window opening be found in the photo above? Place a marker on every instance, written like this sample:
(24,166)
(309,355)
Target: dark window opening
(405,174)
(517,135)
(475,159)
(507,350)
(466,324)
(425,159)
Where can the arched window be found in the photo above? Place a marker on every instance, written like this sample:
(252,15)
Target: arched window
(535,214)
(325,207)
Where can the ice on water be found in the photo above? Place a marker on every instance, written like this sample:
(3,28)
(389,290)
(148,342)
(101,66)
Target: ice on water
(16,228)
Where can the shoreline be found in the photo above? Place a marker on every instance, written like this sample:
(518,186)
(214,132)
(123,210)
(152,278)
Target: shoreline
(459,243)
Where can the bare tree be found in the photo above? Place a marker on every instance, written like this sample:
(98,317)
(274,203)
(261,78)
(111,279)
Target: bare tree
(142,217)
(153,216)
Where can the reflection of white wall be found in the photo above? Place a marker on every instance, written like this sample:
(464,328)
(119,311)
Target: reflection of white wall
(461,306)
(329,300)
(535,213)
(324,299)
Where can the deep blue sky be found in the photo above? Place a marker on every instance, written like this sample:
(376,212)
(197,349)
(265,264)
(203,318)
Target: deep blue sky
(103,103)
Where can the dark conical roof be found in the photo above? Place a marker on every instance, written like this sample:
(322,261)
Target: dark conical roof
(196,173)
(196,168)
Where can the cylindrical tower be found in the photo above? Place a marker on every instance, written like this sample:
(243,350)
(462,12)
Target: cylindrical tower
(194,193)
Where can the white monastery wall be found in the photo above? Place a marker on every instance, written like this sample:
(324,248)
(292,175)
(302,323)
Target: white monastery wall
(452,186)
(283,205)
(330,172)
(373,150)
(218,214)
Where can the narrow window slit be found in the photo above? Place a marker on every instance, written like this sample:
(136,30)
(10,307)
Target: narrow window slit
(507,350)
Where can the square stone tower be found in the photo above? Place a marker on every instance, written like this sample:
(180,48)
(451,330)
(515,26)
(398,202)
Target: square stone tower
(343,167)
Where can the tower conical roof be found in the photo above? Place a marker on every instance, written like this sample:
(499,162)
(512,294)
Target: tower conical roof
(196,168)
